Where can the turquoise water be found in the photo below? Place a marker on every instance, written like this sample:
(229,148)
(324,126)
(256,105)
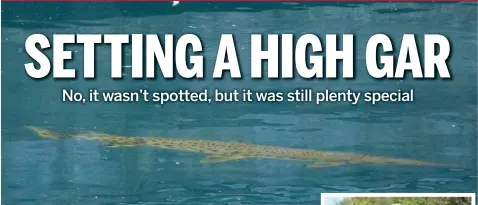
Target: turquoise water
(440,125)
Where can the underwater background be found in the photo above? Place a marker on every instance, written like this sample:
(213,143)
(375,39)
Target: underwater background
(439,126)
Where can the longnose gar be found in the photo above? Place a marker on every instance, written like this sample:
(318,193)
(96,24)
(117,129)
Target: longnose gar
(218,151)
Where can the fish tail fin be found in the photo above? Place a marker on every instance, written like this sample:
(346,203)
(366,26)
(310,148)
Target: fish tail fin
(44,133)
(441,164)
(406,162)
(423,163)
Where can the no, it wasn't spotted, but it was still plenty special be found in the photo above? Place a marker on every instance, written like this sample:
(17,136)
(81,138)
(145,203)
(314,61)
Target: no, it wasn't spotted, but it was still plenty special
(297,96)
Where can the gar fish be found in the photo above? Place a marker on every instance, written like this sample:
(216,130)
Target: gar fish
(218,151)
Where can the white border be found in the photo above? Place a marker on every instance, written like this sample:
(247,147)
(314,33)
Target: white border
(323,196)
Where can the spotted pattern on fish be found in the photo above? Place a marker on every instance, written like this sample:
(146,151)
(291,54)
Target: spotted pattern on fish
(218,151)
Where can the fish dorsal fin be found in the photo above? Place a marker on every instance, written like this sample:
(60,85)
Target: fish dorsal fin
(321,164)
(220,158)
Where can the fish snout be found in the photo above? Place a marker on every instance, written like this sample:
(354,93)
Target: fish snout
(43,133)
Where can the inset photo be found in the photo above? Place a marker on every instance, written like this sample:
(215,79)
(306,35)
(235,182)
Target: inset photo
(398,199)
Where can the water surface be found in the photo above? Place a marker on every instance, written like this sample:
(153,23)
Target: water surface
(439,126)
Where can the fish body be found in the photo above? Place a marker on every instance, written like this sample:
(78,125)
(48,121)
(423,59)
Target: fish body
(218,151)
